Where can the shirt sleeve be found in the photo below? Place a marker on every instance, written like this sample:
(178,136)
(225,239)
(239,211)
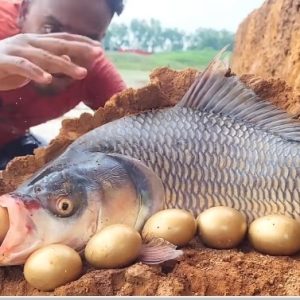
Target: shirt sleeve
(102,82)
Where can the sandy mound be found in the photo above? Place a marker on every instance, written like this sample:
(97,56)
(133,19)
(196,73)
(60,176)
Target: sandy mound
(201,271)
(268,42)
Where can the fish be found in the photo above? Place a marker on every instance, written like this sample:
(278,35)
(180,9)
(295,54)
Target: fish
(220,145)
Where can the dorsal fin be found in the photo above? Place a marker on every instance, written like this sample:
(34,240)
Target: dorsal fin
(215,92)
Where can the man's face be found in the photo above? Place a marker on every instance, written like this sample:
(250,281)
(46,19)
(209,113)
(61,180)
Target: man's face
(89,18)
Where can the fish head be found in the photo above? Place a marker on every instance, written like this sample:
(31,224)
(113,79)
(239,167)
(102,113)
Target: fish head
(69,205)
(56,208)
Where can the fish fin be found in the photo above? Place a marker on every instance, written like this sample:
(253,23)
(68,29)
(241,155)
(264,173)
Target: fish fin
(158,251)
(216,92)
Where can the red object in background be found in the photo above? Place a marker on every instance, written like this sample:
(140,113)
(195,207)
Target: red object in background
(23,108)
(135,51)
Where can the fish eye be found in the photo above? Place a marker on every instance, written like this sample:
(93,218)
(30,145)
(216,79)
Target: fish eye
(64,207)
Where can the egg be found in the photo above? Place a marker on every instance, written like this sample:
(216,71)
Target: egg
(275,235)
(4,223)
(52,266)
(173,225)
(115,246)
(221,227)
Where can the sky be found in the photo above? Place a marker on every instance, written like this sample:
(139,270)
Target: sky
(189,15)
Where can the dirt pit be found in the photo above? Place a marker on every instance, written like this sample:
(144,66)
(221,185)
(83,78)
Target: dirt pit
(201,271)
(268,42)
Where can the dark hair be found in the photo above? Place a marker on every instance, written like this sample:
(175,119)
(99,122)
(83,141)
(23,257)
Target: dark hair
(116,6)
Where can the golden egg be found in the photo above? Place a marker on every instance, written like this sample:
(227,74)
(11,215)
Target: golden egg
(114,246)
(52,266)
(275,235)
(221,227)
(176,226)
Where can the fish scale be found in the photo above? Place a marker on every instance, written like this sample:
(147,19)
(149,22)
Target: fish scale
(225,163)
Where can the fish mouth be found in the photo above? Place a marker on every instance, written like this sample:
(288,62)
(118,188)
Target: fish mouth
(20,240)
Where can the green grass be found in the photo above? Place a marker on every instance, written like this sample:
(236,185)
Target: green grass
(176,60)
(135,69)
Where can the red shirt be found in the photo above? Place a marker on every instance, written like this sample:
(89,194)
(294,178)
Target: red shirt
(23,108)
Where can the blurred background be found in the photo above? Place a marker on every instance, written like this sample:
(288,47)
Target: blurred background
(173,33)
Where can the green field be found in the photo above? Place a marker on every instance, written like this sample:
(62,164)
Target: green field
(135,69)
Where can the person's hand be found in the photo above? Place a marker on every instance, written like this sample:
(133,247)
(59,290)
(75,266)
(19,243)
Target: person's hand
(34,57)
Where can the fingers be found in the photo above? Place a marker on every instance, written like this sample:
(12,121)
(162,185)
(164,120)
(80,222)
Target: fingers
(12,82)
(55,64)
(24,68)
(83,51)
(36,57)
(72,38)
(66,57)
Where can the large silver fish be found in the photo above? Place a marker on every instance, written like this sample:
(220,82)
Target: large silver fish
(220,145)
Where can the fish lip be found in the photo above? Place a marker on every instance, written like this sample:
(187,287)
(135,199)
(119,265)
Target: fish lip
(17,258)
(20,228)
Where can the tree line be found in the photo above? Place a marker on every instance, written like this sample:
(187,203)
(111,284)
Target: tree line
(151,36)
